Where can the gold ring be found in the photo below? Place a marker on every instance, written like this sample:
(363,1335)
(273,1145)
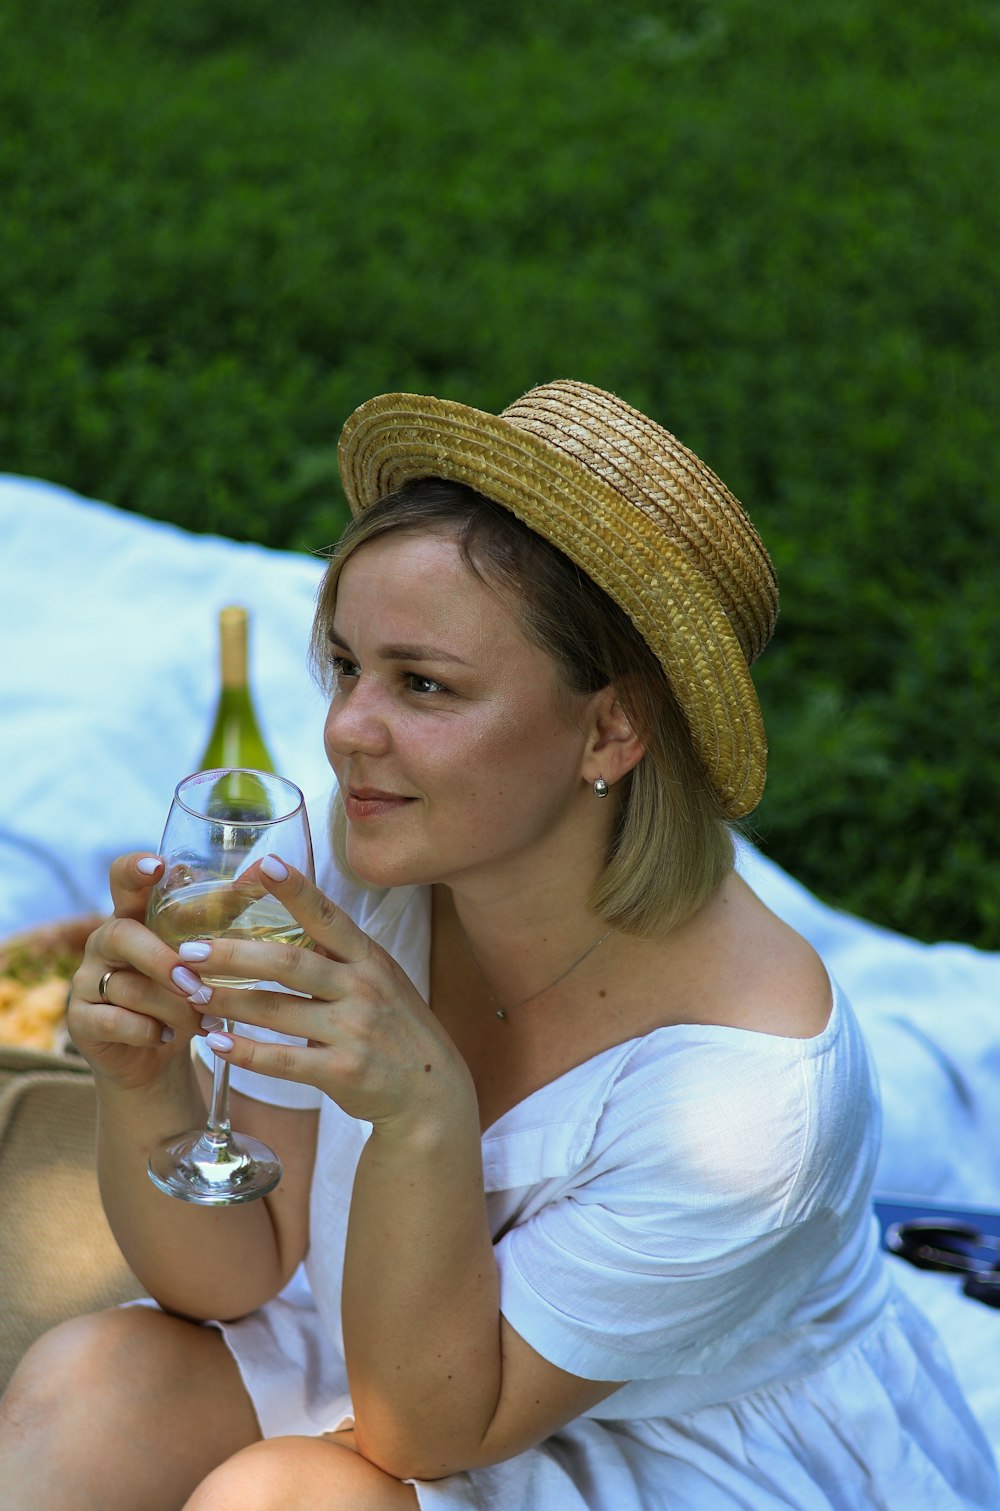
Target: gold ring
(102,985)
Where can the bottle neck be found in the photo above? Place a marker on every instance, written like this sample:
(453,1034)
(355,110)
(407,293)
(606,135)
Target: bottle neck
(233,649)
(236,739)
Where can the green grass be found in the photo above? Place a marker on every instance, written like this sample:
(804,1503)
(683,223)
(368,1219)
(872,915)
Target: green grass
(772,226)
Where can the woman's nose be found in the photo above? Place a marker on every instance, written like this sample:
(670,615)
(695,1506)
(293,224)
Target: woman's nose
(355,721)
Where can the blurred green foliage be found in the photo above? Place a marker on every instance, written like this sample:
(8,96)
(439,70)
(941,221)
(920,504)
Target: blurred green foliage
(773,226)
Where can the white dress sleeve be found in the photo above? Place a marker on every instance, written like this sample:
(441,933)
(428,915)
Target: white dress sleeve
(725,1169)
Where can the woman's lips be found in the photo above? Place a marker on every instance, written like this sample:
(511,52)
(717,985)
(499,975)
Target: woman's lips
(366,802)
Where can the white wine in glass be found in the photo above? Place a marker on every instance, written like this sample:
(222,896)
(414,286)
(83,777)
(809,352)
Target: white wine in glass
(220,824)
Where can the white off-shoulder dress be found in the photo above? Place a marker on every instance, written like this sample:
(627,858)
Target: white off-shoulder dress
(688,1211)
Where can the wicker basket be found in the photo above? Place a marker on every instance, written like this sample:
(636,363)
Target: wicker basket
(57,1255)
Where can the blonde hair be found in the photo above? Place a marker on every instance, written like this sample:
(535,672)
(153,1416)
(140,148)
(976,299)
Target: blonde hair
(671,845)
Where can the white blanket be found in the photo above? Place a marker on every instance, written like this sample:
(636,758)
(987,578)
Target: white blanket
(107,683)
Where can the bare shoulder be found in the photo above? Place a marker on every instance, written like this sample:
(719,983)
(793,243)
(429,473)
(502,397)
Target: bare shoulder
(746,968)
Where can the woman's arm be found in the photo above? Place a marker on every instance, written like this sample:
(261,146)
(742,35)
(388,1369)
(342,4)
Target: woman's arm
(439,1382)
(219,1262)
(199,1262)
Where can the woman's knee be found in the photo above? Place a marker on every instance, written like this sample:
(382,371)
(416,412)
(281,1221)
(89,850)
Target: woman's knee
(158,1397)
(65,1400)
(119,1365)
(73,1363)
(312,1474)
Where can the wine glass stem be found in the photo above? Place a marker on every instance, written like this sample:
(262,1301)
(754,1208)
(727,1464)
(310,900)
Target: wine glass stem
(219,1127)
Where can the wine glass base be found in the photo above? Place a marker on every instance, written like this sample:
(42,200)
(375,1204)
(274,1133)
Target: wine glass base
(214,1170)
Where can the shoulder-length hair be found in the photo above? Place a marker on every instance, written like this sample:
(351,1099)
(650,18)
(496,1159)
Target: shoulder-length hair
(671,845)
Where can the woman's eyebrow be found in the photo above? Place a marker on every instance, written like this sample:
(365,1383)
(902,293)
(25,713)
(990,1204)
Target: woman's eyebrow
(420,653)
(403,652)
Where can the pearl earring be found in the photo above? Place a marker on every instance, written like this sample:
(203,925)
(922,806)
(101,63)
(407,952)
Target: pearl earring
(600,787)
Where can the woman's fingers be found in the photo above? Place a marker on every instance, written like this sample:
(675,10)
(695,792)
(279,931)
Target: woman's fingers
(294,966)
(392,1075)
(326,924)
(131,878)
(289,1062)
(144,988)
(133,1013)
(113,1022)
(123,943)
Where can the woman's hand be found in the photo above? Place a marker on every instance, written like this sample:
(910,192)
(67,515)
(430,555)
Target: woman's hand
(373,1046)
(147,1022)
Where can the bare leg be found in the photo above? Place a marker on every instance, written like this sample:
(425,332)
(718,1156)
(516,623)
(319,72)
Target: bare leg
(311,1474)
(123,1409)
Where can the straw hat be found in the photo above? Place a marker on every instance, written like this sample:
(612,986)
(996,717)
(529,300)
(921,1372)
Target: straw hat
(637,511)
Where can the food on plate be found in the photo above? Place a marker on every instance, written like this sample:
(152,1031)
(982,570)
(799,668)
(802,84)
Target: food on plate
(35,971)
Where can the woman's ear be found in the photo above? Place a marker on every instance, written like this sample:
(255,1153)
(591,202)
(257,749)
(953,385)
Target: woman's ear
(614,748)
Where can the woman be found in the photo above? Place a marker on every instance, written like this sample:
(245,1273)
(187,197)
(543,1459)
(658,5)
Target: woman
(578,1137)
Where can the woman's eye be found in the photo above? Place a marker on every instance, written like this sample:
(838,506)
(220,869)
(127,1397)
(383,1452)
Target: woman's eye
(343,668)
(419,684)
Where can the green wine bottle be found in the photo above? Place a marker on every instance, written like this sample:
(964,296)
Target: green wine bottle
(236,739)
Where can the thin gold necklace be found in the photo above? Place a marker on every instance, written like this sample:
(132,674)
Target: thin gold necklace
(502,1012)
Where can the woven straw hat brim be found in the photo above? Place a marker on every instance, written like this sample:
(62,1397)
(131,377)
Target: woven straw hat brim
(397,438)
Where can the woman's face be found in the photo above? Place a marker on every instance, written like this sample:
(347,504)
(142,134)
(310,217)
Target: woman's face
(456,749)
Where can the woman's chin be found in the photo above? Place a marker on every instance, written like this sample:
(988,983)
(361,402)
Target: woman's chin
(381,870)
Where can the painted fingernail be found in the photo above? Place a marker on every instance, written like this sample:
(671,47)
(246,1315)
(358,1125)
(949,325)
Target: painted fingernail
(274,867)
(185,979)
(201,996)
(221,1043)
(149,865)
(209,1022)
(168,1035)
(194,949)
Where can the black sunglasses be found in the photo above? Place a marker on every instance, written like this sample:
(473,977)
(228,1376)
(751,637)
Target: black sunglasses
(933,1243)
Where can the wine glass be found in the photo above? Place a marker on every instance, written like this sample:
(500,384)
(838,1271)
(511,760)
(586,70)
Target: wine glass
(220,824)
